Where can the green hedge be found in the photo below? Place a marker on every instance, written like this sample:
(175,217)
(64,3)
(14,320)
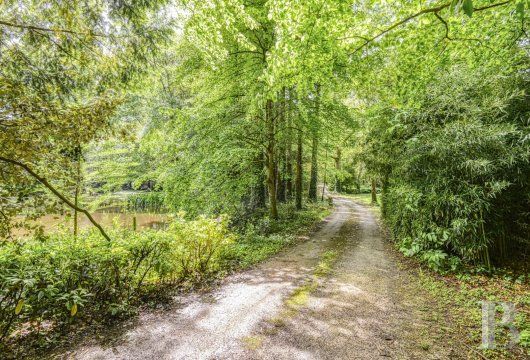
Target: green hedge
(462,189)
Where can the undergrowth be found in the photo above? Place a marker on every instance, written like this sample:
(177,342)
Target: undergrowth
(56,285)
(461,290)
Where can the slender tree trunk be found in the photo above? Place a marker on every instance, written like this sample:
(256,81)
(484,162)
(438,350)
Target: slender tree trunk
(288,152)
(325,164)
(289,171)
(358,181)
(271,164)
(76,203)
(338,158)
(278,173)
(384,192)
(374,194)
(282,165)
(314,169)
(313,180)
(299,169)
(257,198)
(261,186)
(282,181)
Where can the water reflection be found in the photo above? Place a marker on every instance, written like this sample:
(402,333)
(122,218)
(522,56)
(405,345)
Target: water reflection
(54,222)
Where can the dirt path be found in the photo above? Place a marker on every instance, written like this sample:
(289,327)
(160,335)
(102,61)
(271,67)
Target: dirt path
(365,309)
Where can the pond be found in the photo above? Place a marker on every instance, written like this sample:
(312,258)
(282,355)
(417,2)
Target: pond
(106,218)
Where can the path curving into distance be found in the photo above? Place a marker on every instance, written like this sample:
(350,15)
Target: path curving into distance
(366,308)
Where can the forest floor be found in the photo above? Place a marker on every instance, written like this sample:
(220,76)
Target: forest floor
(341,294)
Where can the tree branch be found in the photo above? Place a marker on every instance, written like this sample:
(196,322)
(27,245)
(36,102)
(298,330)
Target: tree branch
(491,6)
(245,52)
(44,182)
(445,24)
(434,10)
(38,28)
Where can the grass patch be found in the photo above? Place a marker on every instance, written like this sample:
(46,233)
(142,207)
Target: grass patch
(463,293)
(266,237)
(425,345)
(365,199)
(300,295)
(324,266)
(278,321)
(252,342)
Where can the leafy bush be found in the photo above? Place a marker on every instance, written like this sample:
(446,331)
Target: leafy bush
(457,180)
(200,244)
(458,190)
(61,277)
(264,237)
(58,280)
(253,248)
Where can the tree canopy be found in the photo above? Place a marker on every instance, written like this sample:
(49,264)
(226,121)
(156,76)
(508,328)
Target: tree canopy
(249,104)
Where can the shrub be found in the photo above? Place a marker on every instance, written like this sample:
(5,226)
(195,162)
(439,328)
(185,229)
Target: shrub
(458,193)
(60,280)
(60,277)
(200,243)
(455,169)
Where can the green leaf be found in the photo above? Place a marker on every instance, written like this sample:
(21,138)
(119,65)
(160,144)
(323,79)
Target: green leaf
(19,306)
(467,6)
(454,6)
(519,8)
(73,311)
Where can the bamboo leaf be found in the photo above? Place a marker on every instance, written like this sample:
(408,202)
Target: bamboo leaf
(19,306)
(519,8)
(467,6)
(73,311)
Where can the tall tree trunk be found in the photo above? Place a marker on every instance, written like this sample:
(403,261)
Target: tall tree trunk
(288,151)
(289,170)
(313,180)
(261,186)
(358,179)
(325,164)
(282,178)
(374,194)
(299,169)
(271,164)
(314,169)
(76,203)
(257,198)
(281,161)
(338,158)
(384,194)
